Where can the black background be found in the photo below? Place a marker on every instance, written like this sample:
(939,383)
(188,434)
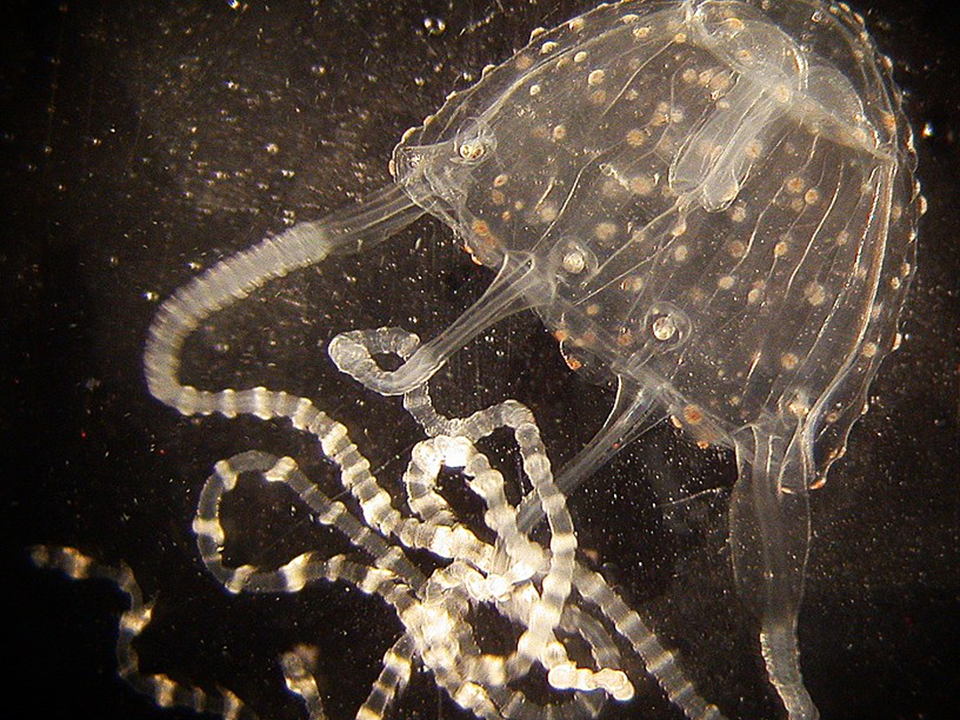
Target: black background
(143,141)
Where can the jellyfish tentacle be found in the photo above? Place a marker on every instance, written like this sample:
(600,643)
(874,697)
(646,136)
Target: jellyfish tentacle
(349,230)
(629,418)
(433,610)
(770,538)
(590,587)
(391,576)
(781,654)
(164,690)
(297,666)
(521,283)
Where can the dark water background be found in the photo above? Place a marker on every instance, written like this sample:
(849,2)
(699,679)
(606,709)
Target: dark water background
(141,141)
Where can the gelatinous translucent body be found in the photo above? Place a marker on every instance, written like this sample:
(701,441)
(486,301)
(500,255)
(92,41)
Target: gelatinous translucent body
(712,201)
(746,172)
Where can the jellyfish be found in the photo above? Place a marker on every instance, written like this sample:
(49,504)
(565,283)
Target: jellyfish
(709,203)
